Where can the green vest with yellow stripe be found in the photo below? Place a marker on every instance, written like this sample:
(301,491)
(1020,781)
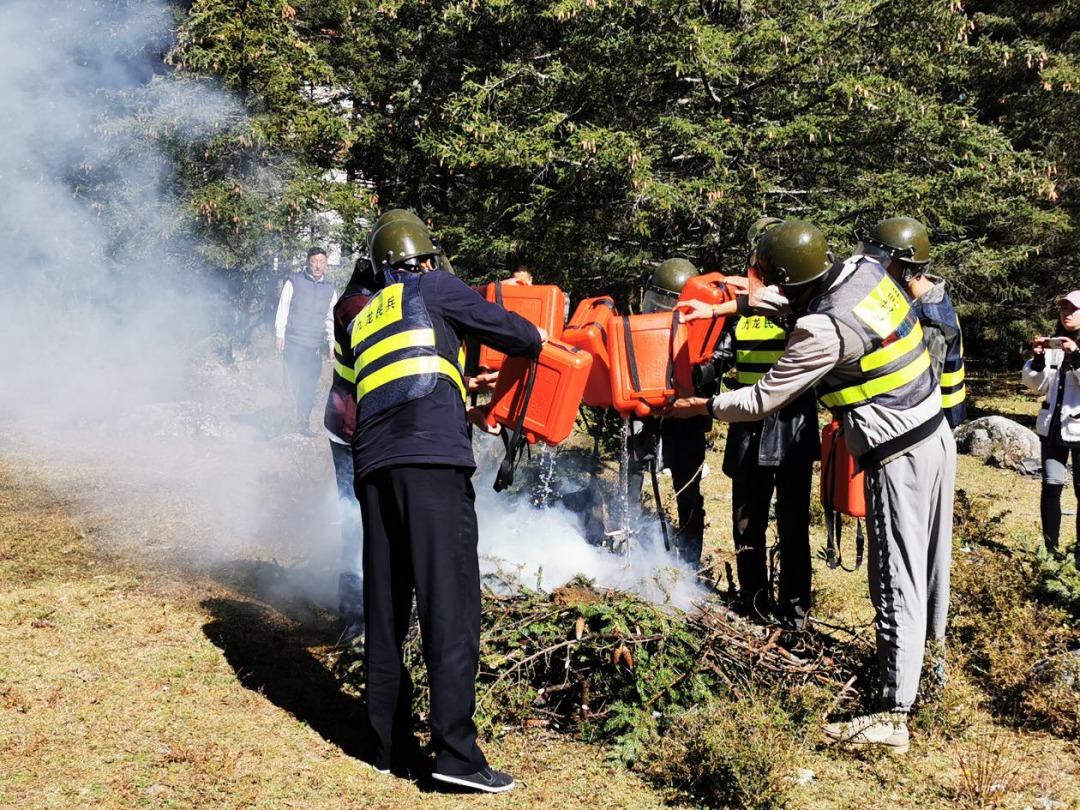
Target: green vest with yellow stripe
(894,369)
(759,343)
(397,356)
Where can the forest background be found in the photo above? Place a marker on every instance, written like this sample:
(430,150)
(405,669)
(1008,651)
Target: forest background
(594,138)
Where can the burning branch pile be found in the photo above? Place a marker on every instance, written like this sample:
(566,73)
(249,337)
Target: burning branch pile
(608,665)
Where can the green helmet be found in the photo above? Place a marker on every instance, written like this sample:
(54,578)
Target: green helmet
(762,224)
(400,243)
(396,215)
(902,239)
(792,253)
(662,291)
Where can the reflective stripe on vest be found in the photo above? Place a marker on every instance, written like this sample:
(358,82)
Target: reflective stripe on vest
(953,389)
(942,315)
(896,366)
(409,367)
(341,369)
(759,343)
(864,392)
(396,350)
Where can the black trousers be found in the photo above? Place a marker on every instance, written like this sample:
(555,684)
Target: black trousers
(684,445)
(303,365)
(420,534)
(751,495)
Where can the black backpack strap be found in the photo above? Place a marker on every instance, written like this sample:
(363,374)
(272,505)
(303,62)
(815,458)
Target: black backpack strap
(516,440)
(631,357)
(834,524)
(670,378)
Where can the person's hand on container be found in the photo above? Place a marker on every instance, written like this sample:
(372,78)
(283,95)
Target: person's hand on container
(483,381)
(687,407)
(477,416)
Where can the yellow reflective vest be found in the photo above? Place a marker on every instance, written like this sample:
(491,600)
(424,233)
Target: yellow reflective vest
(396,355)
(758,344)
(895,369)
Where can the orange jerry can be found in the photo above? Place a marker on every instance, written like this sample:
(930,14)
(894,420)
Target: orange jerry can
(586,331)
(842,488)
(650,361)
(702,335)
(551,397)
(541,304)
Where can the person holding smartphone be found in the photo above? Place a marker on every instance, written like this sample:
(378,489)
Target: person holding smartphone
(1054,372)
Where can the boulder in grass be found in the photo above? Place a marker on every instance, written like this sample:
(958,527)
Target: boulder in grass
(1000,441)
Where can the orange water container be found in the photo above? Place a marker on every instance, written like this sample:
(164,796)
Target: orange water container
(650,361)
(586,330)
(702,335)
(841,487)
(541,304)
(551,410)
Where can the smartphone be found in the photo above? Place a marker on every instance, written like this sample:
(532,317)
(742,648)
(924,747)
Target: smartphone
(1052,343)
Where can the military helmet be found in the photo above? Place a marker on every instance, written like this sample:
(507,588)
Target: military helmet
(762,224)
(662,291)
(791,253)
(396,215)
(903,238)
(400,243)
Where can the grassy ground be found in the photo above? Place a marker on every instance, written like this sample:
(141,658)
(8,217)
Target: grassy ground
(129,683)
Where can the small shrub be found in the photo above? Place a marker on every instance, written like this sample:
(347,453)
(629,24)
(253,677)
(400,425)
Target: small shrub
(1004,631)
(1058,583)
(989,769)
(1053,695)
(975,524)
(946,711)
(727,753)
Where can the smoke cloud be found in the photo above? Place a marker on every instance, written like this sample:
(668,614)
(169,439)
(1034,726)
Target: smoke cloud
(110,379)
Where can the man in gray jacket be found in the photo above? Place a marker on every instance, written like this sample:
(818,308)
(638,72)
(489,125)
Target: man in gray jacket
(857,339)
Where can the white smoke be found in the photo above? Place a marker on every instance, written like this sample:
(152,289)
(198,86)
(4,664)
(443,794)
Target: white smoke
(543,548)
(110,320)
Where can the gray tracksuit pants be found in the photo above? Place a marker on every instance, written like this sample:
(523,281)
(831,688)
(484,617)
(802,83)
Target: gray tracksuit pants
(909,504)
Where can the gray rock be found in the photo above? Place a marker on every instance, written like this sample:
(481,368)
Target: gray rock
(1000,441)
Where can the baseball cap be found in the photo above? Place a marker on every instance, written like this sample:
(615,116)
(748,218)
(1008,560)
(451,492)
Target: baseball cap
(1072,297)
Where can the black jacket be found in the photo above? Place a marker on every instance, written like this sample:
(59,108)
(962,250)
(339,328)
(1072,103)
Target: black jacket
(789,436)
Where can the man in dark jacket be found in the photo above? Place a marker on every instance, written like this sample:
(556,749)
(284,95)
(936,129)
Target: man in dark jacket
(414,465)
(902,245)
(679,443)
(774,455)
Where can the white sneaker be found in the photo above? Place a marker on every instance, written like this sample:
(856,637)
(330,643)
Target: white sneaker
(888,729)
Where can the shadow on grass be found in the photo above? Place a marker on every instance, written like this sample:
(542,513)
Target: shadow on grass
(271,656)
(301,593)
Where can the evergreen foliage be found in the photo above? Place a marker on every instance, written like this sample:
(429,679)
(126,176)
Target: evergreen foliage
(599,137)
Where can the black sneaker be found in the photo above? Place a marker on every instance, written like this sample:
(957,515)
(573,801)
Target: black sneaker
(487,780)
